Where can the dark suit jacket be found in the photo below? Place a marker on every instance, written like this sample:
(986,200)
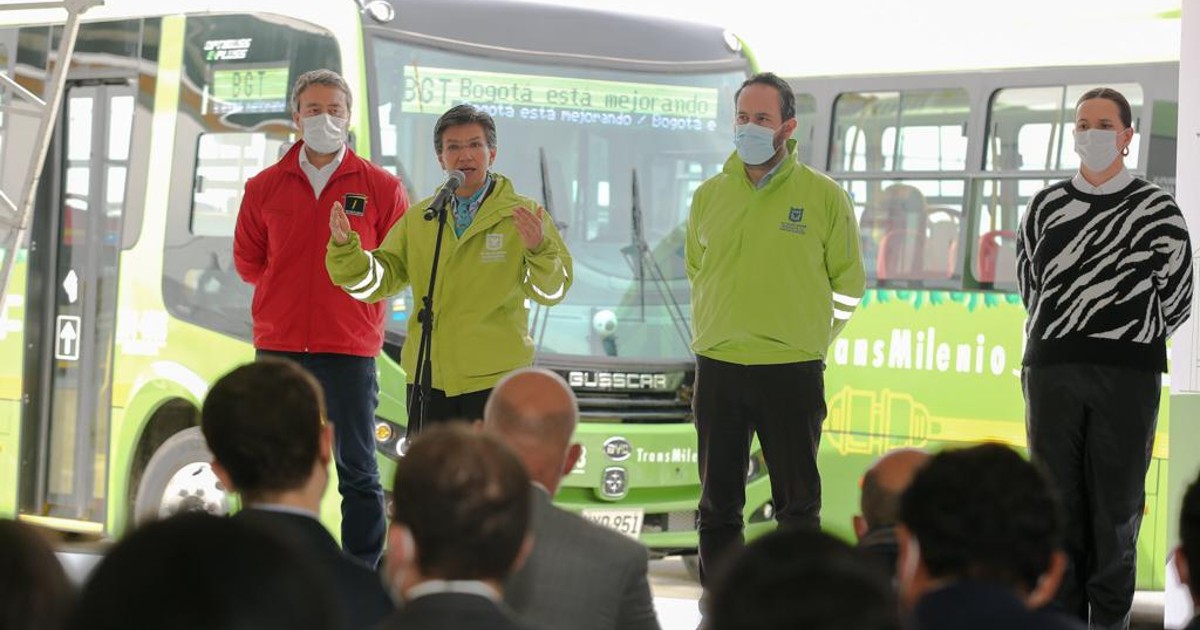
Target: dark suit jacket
(1194,625)
(983,606)
(580,576)
(452,611)
(360,591)
(879,546)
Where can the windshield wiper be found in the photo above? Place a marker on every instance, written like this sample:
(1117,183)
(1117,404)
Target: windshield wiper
(641,260)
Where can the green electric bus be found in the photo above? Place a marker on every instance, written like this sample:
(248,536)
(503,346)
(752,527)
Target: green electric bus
(124,306)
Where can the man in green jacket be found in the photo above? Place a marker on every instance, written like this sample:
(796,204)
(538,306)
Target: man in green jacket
(772,255)
(496,253)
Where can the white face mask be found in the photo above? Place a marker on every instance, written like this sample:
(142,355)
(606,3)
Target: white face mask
(324,133)
(1097,148)
(755,144)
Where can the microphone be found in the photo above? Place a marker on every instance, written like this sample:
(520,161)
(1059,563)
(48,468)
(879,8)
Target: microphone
(454,179)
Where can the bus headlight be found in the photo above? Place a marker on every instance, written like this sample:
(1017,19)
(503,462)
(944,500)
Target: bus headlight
(390,439)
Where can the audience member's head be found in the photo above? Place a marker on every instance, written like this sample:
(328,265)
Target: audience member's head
(263,423)
(534,412)
(196,571)
(882,486)
(460,509)
(1187,557)
(982,513)
(34,591)
(801,579)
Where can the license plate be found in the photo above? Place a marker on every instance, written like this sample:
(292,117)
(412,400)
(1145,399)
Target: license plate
(626,521)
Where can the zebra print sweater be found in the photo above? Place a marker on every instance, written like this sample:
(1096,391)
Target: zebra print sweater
(1104,278)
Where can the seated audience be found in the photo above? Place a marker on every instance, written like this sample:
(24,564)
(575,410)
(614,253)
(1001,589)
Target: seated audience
(801,579)
(460,526)
(35,593)
(882,486)
(579,575)
(264,425)
(980,531)
(1187,556)
(196,571)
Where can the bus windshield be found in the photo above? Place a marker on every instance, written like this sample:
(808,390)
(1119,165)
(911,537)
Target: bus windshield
(577,136)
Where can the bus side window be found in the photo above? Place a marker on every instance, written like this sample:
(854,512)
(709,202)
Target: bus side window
(224,161)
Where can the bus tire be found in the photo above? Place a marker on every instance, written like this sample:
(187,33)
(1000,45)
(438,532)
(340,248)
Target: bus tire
(179,478)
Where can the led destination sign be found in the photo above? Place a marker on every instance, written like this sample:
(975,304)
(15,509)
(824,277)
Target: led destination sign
(249,89)
(562,100)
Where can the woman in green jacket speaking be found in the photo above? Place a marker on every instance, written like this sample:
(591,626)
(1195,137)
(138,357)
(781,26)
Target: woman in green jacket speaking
(499,249)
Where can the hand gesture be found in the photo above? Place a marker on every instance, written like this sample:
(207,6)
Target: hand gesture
(529,226)
(339,224)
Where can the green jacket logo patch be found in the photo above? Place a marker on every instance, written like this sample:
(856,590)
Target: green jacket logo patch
(793,224)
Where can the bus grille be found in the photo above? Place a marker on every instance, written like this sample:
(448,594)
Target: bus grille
(670,522)
(632,408)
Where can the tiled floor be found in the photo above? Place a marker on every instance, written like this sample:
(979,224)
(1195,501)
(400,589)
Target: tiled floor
(675,594)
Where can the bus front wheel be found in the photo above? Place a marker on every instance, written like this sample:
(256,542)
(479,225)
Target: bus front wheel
(179,478)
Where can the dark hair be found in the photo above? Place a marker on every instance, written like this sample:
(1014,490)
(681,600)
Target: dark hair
(196,571)
(1123,107)
(34,591)
(320,77)
(262,422)
(1189,534)
(465,497)
(880,505)
(984,513)
(787,98)
(801,579)
(464,114)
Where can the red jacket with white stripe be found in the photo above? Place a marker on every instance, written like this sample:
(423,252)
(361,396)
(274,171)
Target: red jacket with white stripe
(279,247)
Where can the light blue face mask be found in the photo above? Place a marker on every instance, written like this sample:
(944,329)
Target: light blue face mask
(755,143)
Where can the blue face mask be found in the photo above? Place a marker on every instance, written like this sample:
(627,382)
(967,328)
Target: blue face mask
(755,144)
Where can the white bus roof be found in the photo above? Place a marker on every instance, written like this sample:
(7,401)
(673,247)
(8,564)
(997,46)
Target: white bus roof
(318,13)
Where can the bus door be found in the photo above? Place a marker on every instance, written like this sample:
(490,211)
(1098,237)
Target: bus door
(74,250)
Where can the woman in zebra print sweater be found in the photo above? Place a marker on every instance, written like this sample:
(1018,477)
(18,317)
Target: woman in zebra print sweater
(1104,267)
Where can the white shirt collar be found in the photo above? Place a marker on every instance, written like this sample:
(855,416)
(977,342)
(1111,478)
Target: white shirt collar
(1116,183)
(337,159)
(283,509)
(467,587)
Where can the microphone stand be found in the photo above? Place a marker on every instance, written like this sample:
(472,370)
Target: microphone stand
(423,383)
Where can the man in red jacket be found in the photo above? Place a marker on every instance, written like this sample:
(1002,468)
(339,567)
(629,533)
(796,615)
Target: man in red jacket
(299,314)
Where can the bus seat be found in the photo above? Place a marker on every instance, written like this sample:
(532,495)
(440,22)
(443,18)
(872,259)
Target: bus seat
(940,245)
(896,259)
(898,214)
(997,259)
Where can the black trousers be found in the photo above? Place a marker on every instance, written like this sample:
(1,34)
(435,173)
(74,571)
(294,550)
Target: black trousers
(1092,427)
(785,405)
(442,408)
